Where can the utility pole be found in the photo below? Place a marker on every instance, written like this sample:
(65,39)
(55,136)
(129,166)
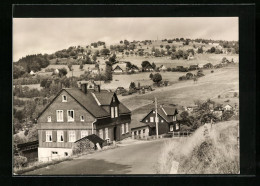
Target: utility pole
(156,117)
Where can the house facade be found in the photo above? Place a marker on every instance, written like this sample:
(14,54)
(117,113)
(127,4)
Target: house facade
(77,113)
(167,122)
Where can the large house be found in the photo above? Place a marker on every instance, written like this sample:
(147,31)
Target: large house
(167,122)
(75,113)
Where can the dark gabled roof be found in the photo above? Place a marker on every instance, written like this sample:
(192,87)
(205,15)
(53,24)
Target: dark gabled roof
(88,102)
(31,143)
(104,98)
(93,138)
(91,101)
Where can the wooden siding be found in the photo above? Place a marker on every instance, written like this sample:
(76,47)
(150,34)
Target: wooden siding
(71,104)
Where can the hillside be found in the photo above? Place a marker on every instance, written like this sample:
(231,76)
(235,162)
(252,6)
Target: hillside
(210,150)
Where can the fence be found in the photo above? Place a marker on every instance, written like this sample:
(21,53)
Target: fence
(181,134)
(168,135)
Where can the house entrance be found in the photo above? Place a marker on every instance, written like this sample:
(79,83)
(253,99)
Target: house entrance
(115,137)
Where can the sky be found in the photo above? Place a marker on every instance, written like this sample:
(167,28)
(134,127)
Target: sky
(47,35)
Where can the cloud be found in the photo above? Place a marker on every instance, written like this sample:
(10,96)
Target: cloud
(47,35)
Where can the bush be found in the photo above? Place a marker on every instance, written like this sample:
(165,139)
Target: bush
(20,161)
(212,71)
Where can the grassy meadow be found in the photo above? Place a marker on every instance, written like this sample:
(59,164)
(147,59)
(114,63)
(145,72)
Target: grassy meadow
(214,152)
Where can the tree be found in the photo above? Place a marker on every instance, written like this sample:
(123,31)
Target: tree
(145,64)
(157,78)
(189,75)
(81,66)
(151,76)
(94,57)
(70,66)
(132,85)
(161,46)
(62,72)
(227,115)
(200,50)
(167,47)
(212,50)
(105,51)
(18,71)
(108,73)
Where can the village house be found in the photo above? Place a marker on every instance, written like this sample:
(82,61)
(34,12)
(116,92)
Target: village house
(228,107)
(133,69)
(119,68)
(162,68)
(168,118)
(32,73)
(148,68)
(194,67)
(75,113)
(29,150)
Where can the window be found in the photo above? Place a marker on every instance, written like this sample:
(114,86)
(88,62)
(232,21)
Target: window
(151,119)
(143,130)
(81,118)
(48,136)
(66,154)
(72,136)
(139,132)
(162,121)
(101,133)
(70,115)
(116,112)
(177,126)
(146,120)
(60,136)
(112,112)
(174,118)
(126,128)
(84,133)
(123,128)
(106,133)
(64,98)
(49,118)
(135,133)
(59,115)
(171,128)
(54,152)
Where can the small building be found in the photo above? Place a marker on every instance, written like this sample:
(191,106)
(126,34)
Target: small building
(119,67)
(162,68)
(56,71)
(228,107)
(133,69)
(148,68)
(32,73)
(167,120)
(29,150)
(120,90)
(194,67)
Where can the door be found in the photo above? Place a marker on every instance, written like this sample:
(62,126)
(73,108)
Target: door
(115,133)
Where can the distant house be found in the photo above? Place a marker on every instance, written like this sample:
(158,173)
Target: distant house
(148,68)
(95,70)
(56,71)
(133,69)
(218,111)
(120,90)
(168,121)
(228,107)
(119,68)
(144,89)
(208,65)
(162,68)
(80,56)
(200,65)
(190,108)
(32,73)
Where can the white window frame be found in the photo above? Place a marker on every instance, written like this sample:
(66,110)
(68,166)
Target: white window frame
(126,128)
(100,132)
(59,118)
(122,129)
(162,121)
(171,128)
(83,133)
(151,119)
(174,118)
(64,100)
(48,136)
(70,119)
(59,134)
(82,118)
(112,111)
(146,120)
(177,126)
(72,136)
(49,119)
(106,133)
(116,112)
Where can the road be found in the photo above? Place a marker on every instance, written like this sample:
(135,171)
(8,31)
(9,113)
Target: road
(136,158)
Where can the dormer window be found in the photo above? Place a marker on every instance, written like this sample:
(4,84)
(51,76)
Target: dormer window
(112,112)
(64,98)
(116,112)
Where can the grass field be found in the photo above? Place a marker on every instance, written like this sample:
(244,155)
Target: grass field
(184,93)
(214,152)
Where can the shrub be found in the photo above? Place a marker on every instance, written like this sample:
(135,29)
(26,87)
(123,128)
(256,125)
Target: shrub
(212,71)
(227,115)
(20,161)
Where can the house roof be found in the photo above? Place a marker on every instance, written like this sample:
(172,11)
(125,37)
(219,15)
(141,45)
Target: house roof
(93,138)
(90,102)
(122,66)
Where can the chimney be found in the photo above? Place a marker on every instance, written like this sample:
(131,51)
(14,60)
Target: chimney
(84,88)
(98,88)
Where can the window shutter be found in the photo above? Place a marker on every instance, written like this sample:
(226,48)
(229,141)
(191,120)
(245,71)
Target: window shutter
(43,136)
(54,135)
(65,135)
